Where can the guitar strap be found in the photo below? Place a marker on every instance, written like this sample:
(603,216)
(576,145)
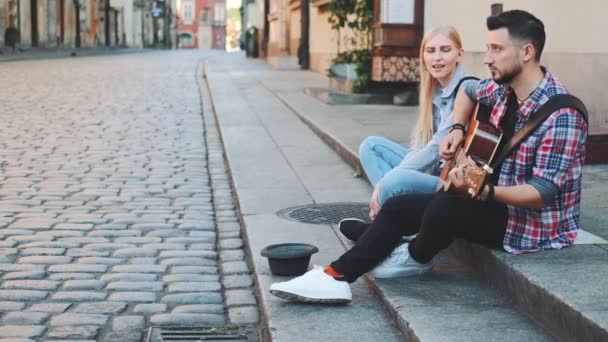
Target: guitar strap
(554,104)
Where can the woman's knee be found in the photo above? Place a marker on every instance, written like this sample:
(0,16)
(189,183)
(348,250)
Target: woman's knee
(368,144)
(401,182)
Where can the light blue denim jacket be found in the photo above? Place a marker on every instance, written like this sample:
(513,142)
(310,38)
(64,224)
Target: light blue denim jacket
(421,159)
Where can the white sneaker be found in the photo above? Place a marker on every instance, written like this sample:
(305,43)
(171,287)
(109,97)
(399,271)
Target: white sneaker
(400,264)
(314,286)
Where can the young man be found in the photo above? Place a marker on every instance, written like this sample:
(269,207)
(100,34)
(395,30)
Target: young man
(532,203)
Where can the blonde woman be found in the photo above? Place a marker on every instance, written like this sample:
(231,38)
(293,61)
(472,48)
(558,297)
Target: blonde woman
(396,170)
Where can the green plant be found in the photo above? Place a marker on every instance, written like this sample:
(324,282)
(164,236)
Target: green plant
(355,15)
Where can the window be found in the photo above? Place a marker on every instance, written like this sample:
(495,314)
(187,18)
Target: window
(206,16)
(219,13)
(188,12)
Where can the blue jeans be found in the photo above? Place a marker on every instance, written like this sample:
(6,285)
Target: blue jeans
(380,158)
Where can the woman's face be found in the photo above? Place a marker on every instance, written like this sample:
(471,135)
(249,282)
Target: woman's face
(441,57)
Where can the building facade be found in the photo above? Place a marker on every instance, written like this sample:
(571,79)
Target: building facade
(201,24)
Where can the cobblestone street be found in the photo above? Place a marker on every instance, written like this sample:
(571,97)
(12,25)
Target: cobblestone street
(115,207)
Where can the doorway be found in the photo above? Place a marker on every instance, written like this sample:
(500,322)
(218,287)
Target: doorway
(34,21)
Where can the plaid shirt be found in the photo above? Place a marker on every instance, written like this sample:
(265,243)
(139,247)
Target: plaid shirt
(555,151)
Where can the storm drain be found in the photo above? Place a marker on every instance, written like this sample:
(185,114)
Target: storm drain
(166,334)
(326,213)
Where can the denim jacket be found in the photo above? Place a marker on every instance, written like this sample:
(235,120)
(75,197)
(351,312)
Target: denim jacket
(423,158)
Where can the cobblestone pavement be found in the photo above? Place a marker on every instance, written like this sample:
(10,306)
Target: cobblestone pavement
(114,213)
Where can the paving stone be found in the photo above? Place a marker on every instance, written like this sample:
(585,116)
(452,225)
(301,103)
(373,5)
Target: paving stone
(194,287)
(24,275)
(82,252)
(51,244)
(31,284)
(189,253)
(141,239)
(114,233)
(30,238)
(129,277)
(33,223)
(45,260)
(149,308)
(192,298)
(90,284)
(123,336)
(164,233)
(50,307)
(239,297)
(140,286)
(11,306)
(22,295)
(71,276)
(194,269)
(61,233)
(235,267)
(139,268)
(133,297)
(243,315)
(143,261)
(22,330)
(200,308)
(203,246)
(24,318)
(164,246)
(74,226)
(235,281)
(4,267)
(16,339)
(74,268)
(78,319)
(171,278)
(100,260)
(189,240)
(146,227)
(232,255)
(101,307)
(230,244)
(42,251)
(127,323)
(135,252)
(88,240)
(73,332)
(187,319)
(78,296)
(187,262)
(108,246)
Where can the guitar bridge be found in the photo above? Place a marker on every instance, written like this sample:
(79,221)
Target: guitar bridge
(487,168)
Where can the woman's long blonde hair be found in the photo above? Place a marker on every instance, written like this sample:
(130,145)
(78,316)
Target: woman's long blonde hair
(428,85)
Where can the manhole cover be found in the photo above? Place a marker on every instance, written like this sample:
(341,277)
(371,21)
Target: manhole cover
(190,334)
(326,213)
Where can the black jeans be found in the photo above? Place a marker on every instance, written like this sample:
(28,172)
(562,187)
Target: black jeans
(438,219)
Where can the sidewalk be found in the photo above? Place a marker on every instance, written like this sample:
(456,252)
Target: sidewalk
(277,162)
(50,53)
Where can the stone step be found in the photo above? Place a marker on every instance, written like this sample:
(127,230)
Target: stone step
(277,162)
(558,289)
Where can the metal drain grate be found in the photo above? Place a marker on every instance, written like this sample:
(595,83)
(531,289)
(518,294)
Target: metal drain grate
(188,334)
(326,213)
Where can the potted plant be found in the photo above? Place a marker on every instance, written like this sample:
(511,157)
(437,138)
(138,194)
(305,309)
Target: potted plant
(353,64)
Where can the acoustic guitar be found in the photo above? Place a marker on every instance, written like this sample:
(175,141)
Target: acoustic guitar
(481,143)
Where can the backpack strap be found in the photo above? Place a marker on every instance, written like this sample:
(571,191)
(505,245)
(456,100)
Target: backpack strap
(552,105)
(462,80)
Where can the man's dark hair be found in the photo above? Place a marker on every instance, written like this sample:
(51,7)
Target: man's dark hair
(521,25)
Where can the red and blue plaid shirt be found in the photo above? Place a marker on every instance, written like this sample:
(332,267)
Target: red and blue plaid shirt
(555,151)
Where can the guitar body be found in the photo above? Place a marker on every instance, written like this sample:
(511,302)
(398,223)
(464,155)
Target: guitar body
(481,143)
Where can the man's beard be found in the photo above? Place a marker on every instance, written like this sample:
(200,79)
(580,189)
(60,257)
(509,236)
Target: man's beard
(508,76)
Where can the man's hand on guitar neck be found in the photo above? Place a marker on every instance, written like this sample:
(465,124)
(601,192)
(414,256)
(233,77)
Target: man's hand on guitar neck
(449,145)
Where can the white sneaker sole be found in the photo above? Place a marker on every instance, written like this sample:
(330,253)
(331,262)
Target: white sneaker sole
(400,273)
(299,298)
